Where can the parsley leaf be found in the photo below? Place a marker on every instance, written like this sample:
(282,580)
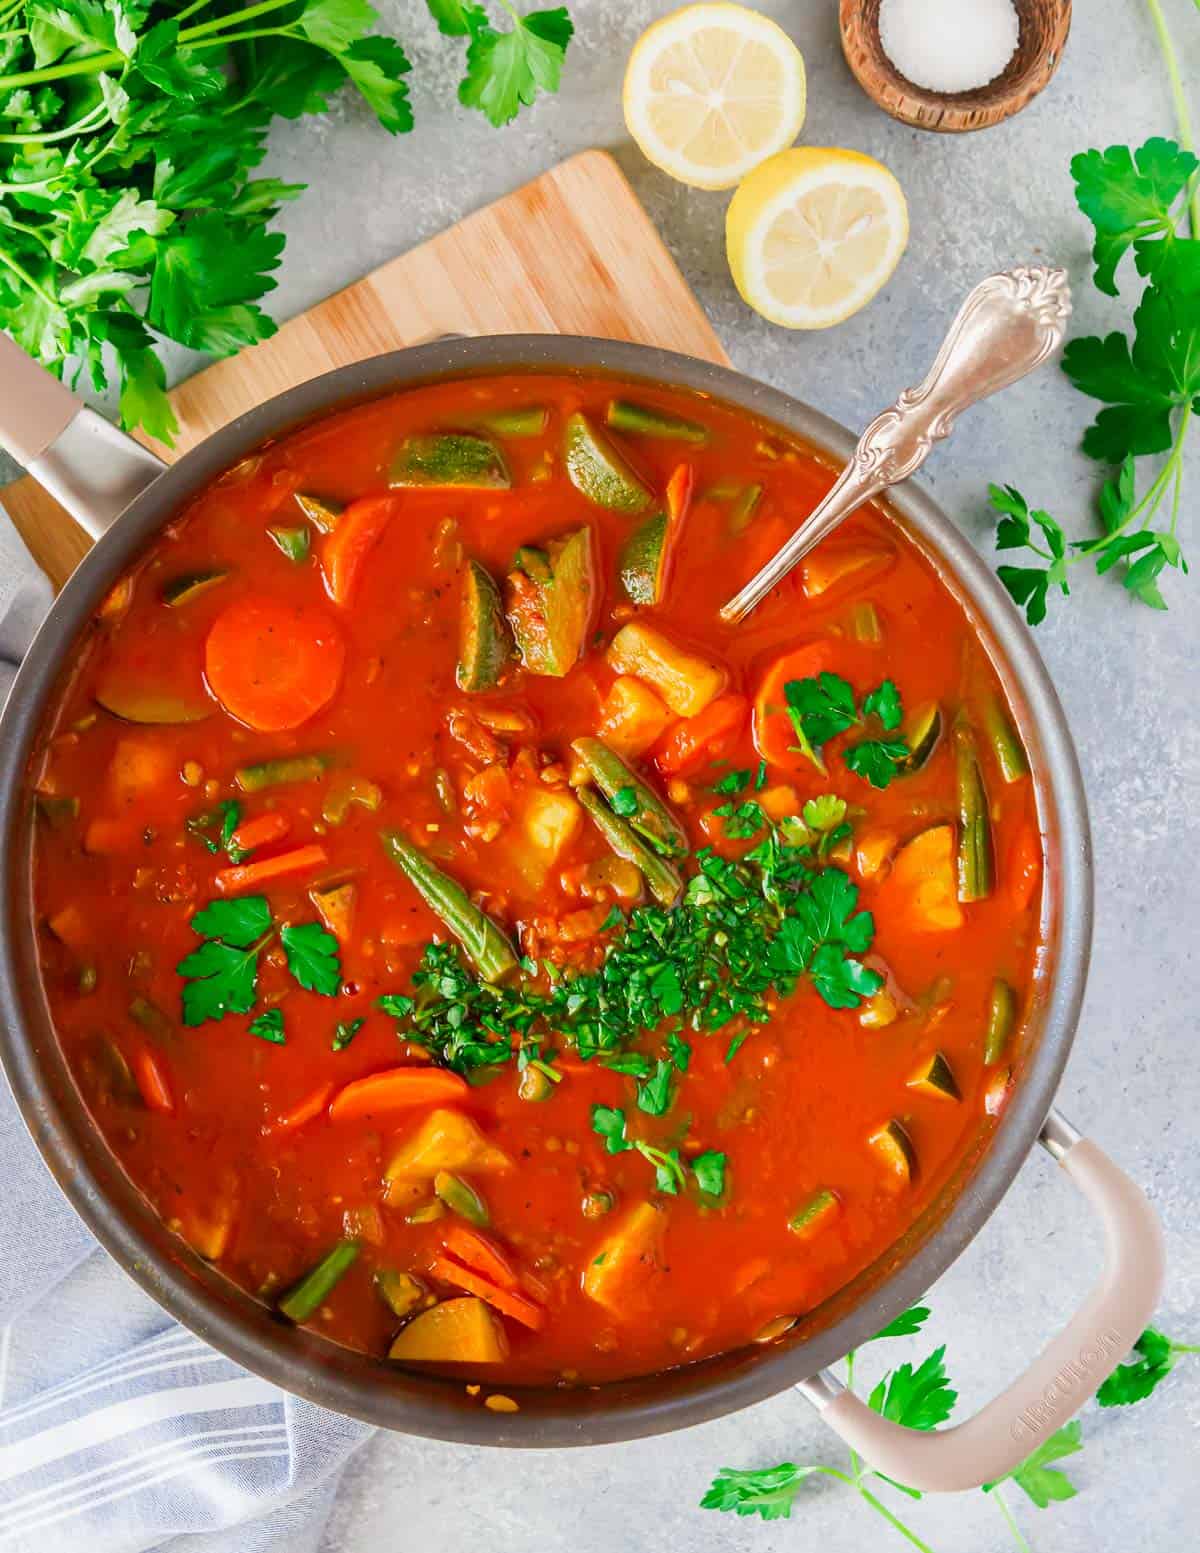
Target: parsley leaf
(223,821)
(345,1031)
(906,1324)
(396,1004)
(768,1492)
(709,1170)
(733,782)
(824,706)
(742,820)
(668,1170)
(1128,196)
(877,760)
(221,977)
(680,1050)
(312,957)
(884,702)
(609,1122)
(820,707)
(1037,1478)
(822,935)
(654,1094)
(508,69)
(1157,1356)
(919,1399)
(268,1026)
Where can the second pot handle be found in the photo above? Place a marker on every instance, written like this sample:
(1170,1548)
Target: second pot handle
(82,460)
(1060,1380)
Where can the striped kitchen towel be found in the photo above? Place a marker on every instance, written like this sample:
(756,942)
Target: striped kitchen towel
(120,1431)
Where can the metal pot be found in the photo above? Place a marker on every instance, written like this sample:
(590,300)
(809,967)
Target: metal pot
(123,496)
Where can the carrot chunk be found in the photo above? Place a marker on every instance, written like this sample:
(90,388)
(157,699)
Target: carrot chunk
(1024,867)
(308,1110)
(358,531)
(697,740)
(104,837)
(260,831)
(152,1082)
(252,876)
(506,1301)
(480,1253)
(774,736)
(273,665)
(395,1089)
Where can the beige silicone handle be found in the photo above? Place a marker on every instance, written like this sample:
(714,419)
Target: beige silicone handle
(1061,1379)
(35,408)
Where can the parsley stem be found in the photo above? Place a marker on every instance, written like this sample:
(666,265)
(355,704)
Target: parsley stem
(893,1520)
(23,274)
(244,37)
(1006,1511)
(855,1459)
(1150,500)
(236,18)
(1182,111)
(90,121)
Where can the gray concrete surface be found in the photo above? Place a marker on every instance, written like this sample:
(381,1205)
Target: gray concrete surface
(1126,675)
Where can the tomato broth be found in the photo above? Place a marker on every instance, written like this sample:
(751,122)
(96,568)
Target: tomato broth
(388,684)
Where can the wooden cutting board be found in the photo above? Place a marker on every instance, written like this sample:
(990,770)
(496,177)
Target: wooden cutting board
(573,252)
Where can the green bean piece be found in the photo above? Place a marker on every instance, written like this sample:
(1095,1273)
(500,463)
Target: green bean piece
(88,979)
(661,876)
(151,1018)
(487,946)
(303,1298)
(461,1198)
(284,772)
(809,1215)
(57,812)
(351,790)
(1010,756)
(975,866)
(294,542)
(642,421)
(1002,1019)
(528,420)
(745,505)
(648,815)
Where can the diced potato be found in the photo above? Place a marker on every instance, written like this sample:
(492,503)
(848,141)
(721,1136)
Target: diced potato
(878,1011)
(70,927)
(632,717)
(462,1331)
(551,821)
(923,882)
(618,1274)
(873,852)
(830,564)
(684,680)
(140,769)
(335,907)
(445,1140)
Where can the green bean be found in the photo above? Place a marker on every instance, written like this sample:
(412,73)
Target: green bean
(642,421)
(284,772)
(864,622)
(322,513)
(650,818)
(975,869)
(661,876)
(744,507)
(1002,1017)
(303,1298)
(1010,757)
(486,945)
(461,1198)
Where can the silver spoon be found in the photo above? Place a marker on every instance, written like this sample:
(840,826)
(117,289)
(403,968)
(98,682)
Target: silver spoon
(1007,326)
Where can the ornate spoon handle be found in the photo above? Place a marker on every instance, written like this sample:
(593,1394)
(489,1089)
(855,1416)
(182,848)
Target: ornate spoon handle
(1007,326)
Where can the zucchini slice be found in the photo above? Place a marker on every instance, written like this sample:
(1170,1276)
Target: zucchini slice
(642,421)
(643,563)
(935,1077)
(599,470)
(485,645)
(321,511)
(895,1149)
(921,733)
(550,598)
(191,586)
(453,459)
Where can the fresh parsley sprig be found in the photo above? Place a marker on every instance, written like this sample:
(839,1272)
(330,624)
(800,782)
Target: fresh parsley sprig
(505,70)
(922,1397)
(824,706)
(221,977)
(670,1171)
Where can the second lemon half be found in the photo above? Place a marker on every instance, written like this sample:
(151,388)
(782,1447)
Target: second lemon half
(813,234)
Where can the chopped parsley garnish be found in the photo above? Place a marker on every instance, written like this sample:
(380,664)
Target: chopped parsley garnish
(625,802)
(221,977)
(345,1031)
(215,829)
(709,1170)
(670,1172)
(733,782)
(824,706)
(742,820)
(654,1092)
(268,1026)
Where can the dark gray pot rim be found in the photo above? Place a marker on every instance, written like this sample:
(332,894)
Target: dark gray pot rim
(435,1407)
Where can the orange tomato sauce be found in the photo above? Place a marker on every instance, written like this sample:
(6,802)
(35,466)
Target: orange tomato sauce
(230,1136)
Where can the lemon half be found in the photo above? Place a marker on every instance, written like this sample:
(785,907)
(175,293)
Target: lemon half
(813,234)
(711,90)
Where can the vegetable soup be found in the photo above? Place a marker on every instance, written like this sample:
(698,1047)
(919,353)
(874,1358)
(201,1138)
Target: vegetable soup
(480,952)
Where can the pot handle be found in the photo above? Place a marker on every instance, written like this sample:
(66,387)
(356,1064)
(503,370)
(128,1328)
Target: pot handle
(82,460)
(1060,1380)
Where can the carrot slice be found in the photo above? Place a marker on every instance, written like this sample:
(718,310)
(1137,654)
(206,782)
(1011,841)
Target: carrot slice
(505,1301)
(774,736)
(252,876)
(679,493)
(260,831)
(152,1082)
(273,665)
(104,837)
(358,531)
(309,1108)
(694,741)
(394,1089)
(480,1253)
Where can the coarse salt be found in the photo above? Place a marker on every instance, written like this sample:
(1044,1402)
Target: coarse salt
(949,45)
